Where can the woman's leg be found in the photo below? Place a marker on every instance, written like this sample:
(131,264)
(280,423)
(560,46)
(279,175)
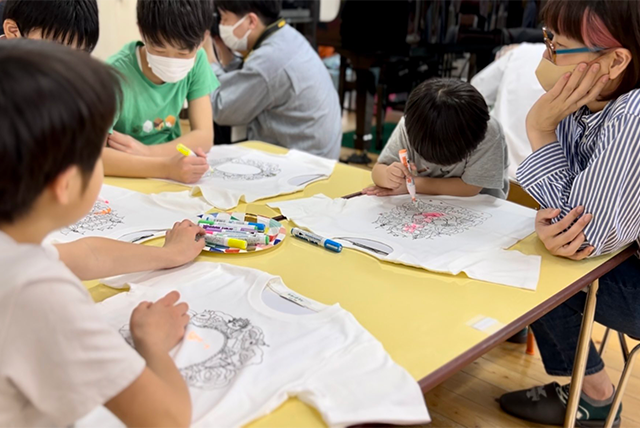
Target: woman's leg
(557,335)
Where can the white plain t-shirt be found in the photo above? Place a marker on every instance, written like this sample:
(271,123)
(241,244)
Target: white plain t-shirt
(58,359)
(510,85)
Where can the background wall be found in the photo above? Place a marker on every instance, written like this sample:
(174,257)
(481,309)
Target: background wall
(117,26)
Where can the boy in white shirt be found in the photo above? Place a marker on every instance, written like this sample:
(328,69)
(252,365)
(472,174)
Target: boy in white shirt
(58,359)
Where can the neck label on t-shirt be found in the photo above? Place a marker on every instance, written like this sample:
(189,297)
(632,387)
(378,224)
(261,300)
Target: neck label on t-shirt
(292,296)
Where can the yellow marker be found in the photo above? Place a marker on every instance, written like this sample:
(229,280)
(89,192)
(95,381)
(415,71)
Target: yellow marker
(186,151)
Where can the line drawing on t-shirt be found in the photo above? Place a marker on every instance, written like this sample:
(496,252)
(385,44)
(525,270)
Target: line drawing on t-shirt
(428,220)
(242,344)
(102,217)
(257,169)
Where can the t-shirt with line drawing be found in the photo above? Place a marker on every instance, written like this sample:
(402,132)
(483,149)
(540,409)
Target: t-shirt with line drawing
(242,173)
(125,215)
(242,359)
(439,233)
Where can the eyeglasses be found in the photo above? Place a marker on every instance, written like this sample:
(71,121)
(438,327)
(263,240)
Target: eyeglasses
(552,51)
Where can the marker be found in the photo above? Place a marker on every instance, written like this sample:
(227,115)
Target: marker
(225,227)
(226,242)
(411,186)
(213,221)
(250,239)
(312,238)
(186,151)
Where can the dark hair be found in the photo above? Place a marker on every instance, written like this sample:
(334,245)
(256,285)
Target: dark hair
(267,10)
(446,119)
(601,23)
(182,23)
(57,106)
(65,21)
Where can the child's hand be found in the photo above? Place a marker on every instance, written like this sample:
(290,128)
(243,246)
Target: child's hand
(159,326)
(381,191)
(184,242)
(188,169)
(127,144)
(397,176)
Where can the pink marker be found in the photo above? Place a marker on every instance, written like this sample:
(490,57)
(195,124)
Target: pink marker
(411,186)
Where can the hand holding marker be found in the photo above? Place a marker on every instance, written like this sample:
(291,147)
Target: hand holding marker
(186,151)
(312,238)
(411,186)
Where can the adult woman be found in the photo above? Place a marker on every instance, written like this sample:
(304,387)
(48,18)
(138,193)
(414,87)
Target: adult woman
(585,172)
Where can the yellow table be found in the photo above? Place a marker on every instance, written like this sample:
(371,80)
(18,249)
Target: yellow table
(420,317)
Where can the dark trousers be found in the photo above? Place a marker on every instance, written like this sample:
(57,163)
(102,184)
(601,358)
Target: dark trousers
(618,307)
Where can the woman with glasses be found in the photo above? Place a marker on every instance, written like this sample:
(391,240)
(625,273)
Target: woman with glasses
(585,173)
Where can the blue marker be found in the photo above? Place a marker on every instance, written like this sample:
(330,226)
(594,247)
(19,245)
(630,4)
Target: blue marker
(312,238)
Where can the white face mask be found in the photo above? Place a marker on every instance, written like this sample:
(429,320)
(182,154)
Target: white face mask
(234,43)
(170,70)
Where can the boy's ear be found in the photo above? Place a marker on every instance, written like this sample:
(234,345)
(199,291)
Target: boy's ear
(254,20)
(11,30)
(65,185)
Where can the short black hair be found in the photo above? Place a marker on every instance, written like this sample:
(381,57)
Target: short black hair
(183,23)
(65,21)
(267,10)
(445,119)
(57,106)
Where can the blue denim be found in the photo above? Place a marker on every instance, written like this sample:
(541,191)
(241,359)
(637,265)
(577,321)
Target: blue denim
(618,307)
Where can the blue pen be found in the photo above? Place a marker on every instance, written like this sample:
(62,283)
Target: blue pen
(312,238)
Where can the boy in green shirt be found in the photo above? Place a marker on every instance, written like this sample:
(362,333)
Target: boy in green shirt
(159,74)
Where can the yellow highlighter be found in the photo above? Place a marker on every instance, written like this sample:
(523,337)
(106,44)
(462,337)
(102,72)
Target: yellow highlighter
(186,151)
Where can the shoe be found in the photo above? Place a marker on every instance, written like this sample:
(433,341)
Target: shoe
(519,337)
(547,405)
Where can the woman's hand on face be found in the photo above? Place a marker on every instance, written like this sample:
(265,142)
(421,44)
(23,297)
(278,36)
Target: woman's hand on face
(564,238)
(570,93)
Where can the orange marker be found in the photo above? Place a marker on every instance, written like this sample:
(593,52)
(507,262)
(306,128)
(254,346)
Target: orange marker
(411,186)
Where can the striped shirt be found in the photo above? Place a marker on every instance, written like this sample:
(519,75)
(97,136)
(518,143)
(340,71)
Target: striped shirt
(595,163)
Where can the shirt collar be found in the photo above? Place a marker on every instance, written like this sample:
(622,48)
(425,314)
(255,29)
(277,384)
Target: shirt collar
(588,118)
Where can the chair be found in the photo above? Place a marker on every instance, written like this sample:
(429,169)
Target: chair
(629,358)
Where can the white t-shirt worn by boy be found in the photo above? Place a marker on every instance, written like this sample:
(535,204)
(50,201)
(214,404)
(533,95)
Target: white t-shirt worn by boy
(58,359)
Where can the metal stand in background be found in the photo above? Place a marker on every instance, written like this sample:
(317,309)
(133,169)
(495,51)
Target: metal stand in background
(365,91)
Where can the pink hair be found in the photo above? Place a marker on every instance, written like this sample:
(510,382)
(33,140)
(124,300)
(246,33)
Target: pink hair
(595,33)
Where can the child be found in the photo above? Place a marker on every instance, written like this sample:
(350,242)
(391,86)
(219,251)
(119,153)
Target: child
(159,74)
(69,22)
(281,90)
(58,359)
(456,147)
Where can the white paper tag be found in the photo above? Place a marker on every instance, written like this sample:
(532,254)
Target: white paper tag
(485,324)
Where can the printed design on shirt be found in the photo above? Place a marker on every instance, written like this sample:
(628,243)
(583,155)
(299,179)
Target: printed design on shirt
(241,346)
(102,217)
(428,220)
(159,124)
(243,169)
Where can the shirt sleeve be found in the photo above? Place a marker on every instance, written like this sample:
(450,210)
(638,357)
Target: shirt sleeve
(486,165)
(65,359)
(203,80)
(362,385)
(242,95)
(608,188)
(398,141)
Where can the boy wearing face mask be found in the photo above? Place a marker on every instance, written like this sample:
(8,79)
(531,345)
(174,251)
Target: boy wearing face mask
(159,74)
(279,88)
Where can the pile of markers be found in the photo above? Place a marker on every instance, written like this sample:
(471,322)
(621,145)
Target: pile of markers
(231,233)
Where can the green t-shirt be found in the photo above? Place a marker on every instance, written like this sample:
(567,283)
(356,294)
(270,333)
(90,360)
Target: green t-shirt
(150,112)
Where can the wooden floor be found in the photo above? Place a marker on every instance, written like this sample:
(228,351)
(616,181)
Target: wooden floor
(468,399)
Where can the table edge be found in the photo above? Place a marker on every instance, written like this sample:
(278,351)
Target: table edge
(438,376)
